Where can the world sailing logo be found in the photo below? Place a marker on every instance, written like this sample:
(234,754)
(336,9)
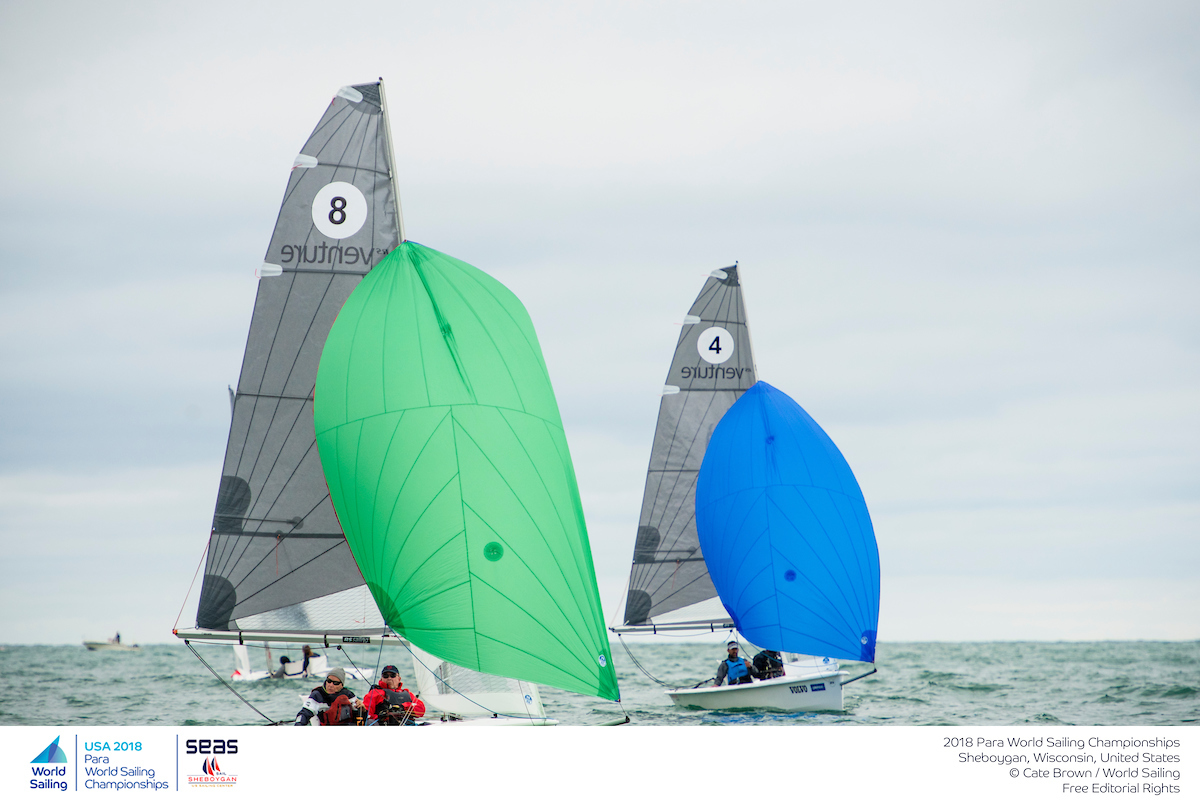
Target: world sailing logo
(43,778)
(52,753)
(211,775)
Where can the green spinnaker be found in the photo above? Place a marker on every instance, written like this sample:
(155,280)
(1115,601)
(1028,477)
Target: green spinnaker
(445,455)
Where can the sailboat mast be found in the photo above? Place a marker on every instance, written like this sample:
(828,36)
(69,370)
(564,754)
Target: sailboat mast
(387,131)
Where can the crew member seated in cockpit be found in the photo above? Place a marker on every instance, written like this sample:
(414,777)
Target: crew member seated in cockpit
(389,704)
(332,704)
(734,667)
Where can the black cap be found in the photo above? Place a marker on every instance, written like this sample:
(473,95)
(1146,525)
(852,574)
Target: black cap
(389,669)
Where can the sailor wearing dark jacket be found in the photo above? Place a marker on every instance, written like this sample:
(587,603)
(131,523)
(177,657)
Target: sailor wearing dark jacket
(332,703)
(734,667)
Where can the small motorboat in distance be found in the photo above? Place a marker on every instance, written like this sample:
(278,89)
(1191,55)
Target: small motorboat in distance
(111,644)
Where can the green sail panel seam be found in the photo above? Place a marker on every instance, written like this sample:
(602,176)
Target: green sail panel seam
(424,600)
(396,560)
(447,406)
(565,525)
(587,568)
(462,503)
(400,491)
(565,617)
(594,687)
(589,666)
(445,329)
(376,555)
(524,507)
(532,348)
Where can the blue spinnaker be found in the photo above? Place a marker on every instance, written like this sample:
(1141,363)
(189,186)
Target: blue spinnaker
(785,531)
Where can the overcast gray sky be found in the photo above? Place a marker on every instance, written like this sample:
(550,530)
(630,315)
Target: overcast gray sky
(968,236)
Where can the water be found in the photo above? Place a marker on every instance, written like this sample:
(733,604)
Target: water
(993,684)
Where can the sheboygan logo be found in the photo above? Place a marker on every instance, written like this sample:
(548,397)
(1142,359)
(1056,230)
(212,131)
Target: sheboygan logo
(211,775)
(47,778)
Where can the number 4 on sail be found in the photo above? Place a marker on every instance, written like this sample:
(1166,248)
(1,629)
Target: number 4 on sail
(751,522)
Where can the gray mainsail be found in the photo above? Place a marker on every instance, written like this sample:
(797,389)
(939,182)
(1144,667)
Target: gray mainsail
(277,557)
(712,366)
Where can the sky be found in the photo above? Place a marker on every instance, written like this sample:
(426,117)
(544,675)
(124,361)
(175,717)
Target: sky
(967,235)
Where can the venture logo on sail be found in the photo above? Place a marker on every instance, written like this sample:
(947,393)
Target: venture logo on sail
(330,254)
(713,372)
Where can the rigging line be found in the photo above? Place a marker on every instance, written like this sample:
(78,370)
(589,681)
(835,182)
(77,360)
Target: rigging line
(346,654)
(379,656)
(638,664)
(228,686)
(193,584)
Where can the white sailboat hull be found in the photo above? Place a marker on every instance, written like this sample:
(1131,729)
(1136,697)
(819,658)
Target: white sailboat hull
(488,722)
(108,646)
(812,692)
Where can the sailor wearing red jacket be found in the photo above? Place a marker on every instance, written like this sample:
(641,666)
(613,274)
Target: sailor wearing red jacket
(389,704)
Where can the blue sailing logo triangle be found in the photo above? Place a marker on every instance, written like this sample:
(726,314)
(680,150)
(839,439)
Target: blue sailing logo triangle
(52,754)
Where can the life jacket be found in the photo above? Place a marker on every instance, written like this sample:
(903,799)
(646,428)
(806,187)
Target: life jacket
(339,713)
(736,669)
(390,709)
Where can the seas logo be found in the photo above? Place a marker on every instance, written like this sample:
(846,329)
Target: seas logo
(45,778)
(210,774)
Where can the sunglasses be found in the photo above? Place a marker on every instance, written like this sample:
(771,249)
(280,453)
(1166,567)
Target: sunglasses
(389,675)
(334,682)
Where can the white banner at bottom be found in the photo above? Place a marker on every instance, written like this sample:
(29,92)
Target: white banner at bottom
(585,763)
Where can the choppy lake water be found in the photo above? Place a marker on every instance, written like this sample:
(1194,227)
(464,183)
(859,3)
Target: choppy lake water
(970,684)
